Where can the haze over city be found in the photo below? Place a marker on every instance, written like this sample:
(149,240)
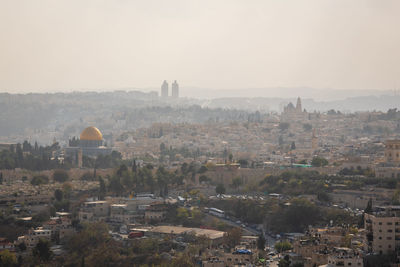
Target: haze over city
(186,133)
(52,46)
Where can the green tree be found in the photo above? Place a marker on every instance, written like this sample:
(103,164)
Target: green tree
(7,259)
(323,196)
(284,262)
(261,242)
(87,176)
(203,169)
(22,246)
(42,250)
(183,260)
(304,161)
(60,176)
(115,185)
(236,182)
(102,189)
(319,162)
(58,194)
(39,179)
(243,163)
(121,170)
(204,178)
(283,246)
(220,189)
(368,209)
(293,146)
(134,167)
(182,214)
(233,236)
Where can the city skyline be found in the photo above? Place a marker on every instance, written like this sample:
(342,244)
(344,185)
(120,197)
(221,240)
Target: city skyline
(224,45)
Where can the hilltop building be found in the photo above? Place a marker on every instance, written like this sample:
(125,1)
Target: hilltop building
(294,113)
(90,144)
(164,89)
(175,89)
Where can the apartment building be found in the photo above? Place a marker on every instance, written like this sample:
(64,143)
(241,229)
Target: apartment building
(383,230)
(94,210)
(33,236)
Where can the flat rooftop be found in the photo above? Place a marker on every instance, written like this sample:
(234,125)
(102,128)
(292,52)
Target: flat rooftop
(177,230)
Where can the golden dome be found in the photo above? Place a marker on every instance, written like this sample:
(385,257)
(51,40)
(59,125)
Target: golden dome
(92,134)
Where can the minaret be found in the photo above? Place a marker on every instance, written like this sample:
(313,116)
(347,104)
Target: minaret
(175,89)
(298,105)
(164,89)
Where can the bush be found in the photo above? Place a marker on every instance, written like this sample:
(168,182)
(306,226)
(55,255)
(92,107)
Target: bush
(283,246)
(40,179)
(220,189)
(319,162)
(60,176)
(87,176)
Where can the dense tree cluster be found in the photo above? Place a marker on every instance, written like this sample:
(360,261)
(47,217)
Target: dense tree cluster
(294,183)
(112,160)
(30,157)
(358,171)
(319,162)
(183,151)
(293,216)
(143,179)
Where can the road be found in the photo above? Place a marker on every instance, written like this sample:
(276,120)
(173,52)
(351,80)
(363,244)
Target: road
(249,230)
(270,241)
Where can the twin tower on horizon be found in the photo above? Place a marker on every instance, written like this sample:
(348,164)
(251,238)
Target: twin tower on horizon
(174,89)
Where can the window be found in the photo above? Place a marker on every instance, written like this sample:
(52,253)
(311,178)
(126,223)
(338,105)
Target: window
(389,223)
(389,238)
(380,223)
(390,230)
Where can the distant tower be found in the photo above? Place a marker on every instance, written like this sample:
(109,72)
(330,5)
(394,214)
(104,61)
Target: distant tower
(164,89)
(314,141)
(298,105)
(175,89)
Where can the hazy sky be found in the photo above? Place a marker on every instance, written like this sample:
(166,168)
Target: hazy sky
(63,45)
